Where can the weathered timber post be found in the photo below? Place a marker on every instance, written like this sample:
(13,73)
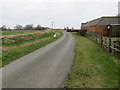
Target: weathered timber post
(114,51)
(101,40)
(96,38)
(110,50)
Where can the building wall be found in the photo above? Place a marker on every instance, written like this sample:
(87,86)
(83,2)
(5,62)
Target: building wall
(115,30)
(102,30)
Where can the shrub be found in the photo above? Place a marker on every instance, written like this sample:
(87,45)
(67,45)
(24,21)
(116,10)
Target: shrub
(82,32)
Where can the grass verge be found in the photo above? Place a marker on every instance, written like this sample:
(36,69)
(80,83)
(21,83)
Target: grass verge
(92,68)
(13,54)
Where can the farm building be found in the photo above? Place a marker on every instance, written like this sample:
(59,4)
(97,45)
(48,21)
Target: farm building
(104,26)
(73,30)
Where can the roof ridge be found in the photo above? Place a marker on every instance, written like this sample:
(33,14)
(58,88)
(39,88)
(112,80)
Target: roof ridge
(99,20)
(110,17)
(103,17)
(93,20)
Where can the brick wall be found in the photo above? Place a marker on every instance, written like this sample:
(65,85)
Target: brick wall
(102,30)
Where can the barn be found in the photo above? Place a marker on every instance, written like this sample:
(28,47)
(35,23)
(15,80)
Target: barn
(104,26)
(73,30)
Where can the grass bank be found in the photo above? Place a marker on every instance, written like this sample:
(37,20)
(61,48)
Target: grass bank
(18,40)
(15,53)
(92,68)
(17,32)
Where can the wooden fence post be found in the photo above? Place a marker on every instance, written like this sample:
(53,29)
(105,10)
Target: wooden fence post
(114,51)
(96,38)
(101,40)
(110,50)
(93,36)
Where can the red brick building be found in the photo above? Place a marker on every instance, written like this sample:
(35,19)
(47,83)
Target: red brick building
(100,25)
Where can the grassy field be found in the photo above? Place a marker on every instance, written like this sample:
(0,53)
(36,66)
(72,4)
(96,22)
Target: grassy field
(12,41)
(93,67)
(21,47)
(16,32)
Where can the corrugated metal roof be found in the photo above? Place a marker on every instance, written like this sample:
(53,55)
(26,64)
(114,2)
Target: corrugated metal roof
(102,21)
(107,21)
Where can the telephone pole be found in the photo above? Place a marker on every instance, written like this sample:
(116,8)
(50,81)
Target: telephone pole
(52,24)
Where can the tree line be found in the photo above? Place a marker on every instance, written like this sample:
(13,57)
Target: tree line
(26,27)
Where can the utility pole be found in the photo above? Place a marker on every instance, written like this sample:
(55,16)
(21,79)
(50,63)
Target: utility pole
(52,24)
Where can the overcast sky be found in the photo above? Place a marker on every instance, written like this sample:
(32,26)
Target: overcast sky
(64,13)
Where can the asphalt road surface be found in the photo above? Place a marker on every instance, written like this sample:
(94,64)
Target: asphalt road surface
(46,67)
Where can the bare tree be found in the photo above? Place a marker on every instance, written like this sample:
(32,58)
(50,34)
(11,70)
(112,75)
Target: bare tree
(72,28)
(18,27)
(67,28)
(4,27)
(38,27)
(29,27)
(9,29)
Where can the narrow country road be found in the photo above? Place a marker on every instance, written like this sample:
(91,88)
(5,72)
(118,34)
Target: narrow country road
(46,67)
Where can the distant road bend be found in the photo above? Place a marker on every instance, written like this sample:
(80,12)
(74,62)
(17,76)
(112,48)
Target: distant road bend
(46,67)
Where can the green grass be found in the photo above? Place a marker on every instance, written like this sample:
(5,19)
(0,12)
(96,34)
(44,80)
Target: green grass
(105,39)
(93,67)
(13,54)
(16,32)
(18,40)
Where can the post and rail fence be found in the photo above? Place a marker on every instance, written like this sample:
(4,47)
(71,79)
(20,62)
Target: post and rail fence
(111,44)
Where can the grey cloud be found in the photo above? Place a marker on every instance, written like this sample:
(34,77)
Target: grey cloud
(63,14)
